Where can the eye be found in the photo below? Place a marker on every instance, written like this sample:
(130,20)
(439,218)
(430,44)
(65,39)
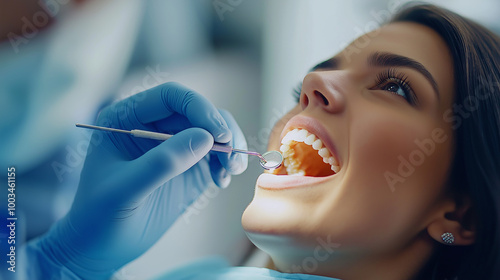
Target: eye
(396,83)
(396,87)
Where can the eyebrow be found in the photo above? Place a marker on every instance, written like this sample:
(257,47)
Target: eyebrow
(383,59)
(330,64)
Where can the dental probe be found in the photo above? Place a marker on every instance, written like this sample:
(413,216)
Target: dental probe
(269,160)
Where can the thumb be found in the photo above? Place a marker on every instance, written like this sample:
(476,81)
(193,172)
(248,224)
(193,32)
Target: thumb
(165,161)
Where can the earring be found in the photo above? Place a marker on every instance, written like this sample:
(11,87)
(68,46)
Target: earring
(448,238)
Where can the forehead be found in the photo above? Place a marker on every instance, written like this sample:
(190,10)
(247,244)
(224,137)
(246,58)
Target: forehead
(411,40)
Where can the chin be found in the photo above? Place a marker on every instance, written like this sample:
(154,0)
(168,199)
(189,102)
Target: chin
(287,205)
(291,212)
(271,215)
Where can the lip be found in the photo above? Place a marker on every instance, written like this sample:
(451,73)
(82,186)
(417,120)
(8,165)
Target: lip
(282,182)
(314,127)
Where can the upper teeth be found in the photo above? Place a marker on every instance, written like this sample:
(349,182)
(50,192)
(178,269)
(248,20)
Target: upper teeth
(302,135)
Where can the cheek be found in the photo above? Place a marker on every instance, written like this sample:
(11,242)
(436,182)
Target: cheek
(390,208)
(376,144)
(376,147)
(397,151)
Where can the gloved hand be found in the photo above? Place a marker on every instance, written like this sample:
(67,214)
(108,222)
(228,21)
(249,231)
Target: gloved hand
(132,189)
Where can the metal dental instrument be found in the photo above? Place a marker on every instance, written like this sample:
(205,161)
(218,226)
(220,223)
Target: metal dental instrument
(269,160)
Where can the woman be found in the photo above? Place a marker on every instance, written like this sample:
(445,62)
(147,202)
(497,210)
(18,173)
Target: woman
(398,139)
(417,192)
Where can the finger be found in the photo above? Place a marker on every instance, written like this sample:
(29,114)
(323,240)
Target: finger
(235,163)
(167,160)
(220,175)
(162,101)
(173,124)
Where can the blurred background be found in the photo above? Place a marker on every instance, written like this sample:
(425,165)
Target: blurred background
(246,56)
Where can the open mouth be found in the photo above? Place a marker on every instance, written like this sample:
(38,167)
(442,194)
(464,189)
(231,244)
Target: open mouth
(305,154)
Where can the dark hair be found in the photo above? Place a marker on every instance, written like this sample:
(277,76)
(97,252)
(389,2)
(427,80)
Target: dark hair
(476,167)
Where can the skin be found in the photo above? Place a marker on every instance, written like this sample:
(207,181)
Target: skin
(11,21)
(379,232)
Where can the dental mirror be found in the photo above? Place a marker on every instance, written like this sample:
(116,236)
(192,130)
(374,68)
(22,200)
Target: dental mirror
(271,160)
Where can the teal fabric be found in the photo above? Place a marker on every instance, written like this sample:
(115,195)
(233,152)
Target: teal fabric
(217,268)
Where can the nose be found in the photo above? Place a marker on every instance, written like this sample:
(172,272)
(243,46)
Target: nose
(324,89)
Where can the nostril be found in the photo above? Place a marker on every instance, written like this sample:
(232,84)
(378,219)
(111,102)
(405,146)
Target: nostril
(304,100)
(319,94)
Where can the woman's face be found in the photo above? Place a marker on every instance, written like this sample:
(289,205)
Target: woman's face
(377,108)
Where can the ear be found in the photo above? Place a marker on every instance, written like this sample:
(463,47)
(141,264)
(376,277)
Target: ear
(454,219)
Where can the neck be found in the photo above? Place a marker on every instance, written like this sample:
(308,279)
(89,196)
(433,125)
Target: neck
(404,264)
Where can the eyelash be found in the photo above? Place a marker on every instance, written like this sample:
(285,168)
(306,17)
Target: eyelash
(296,92)
(390,75)
(393,76)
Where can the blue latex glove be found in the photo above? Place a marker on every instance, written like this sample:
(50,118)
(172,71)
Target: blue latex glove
(132,189)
